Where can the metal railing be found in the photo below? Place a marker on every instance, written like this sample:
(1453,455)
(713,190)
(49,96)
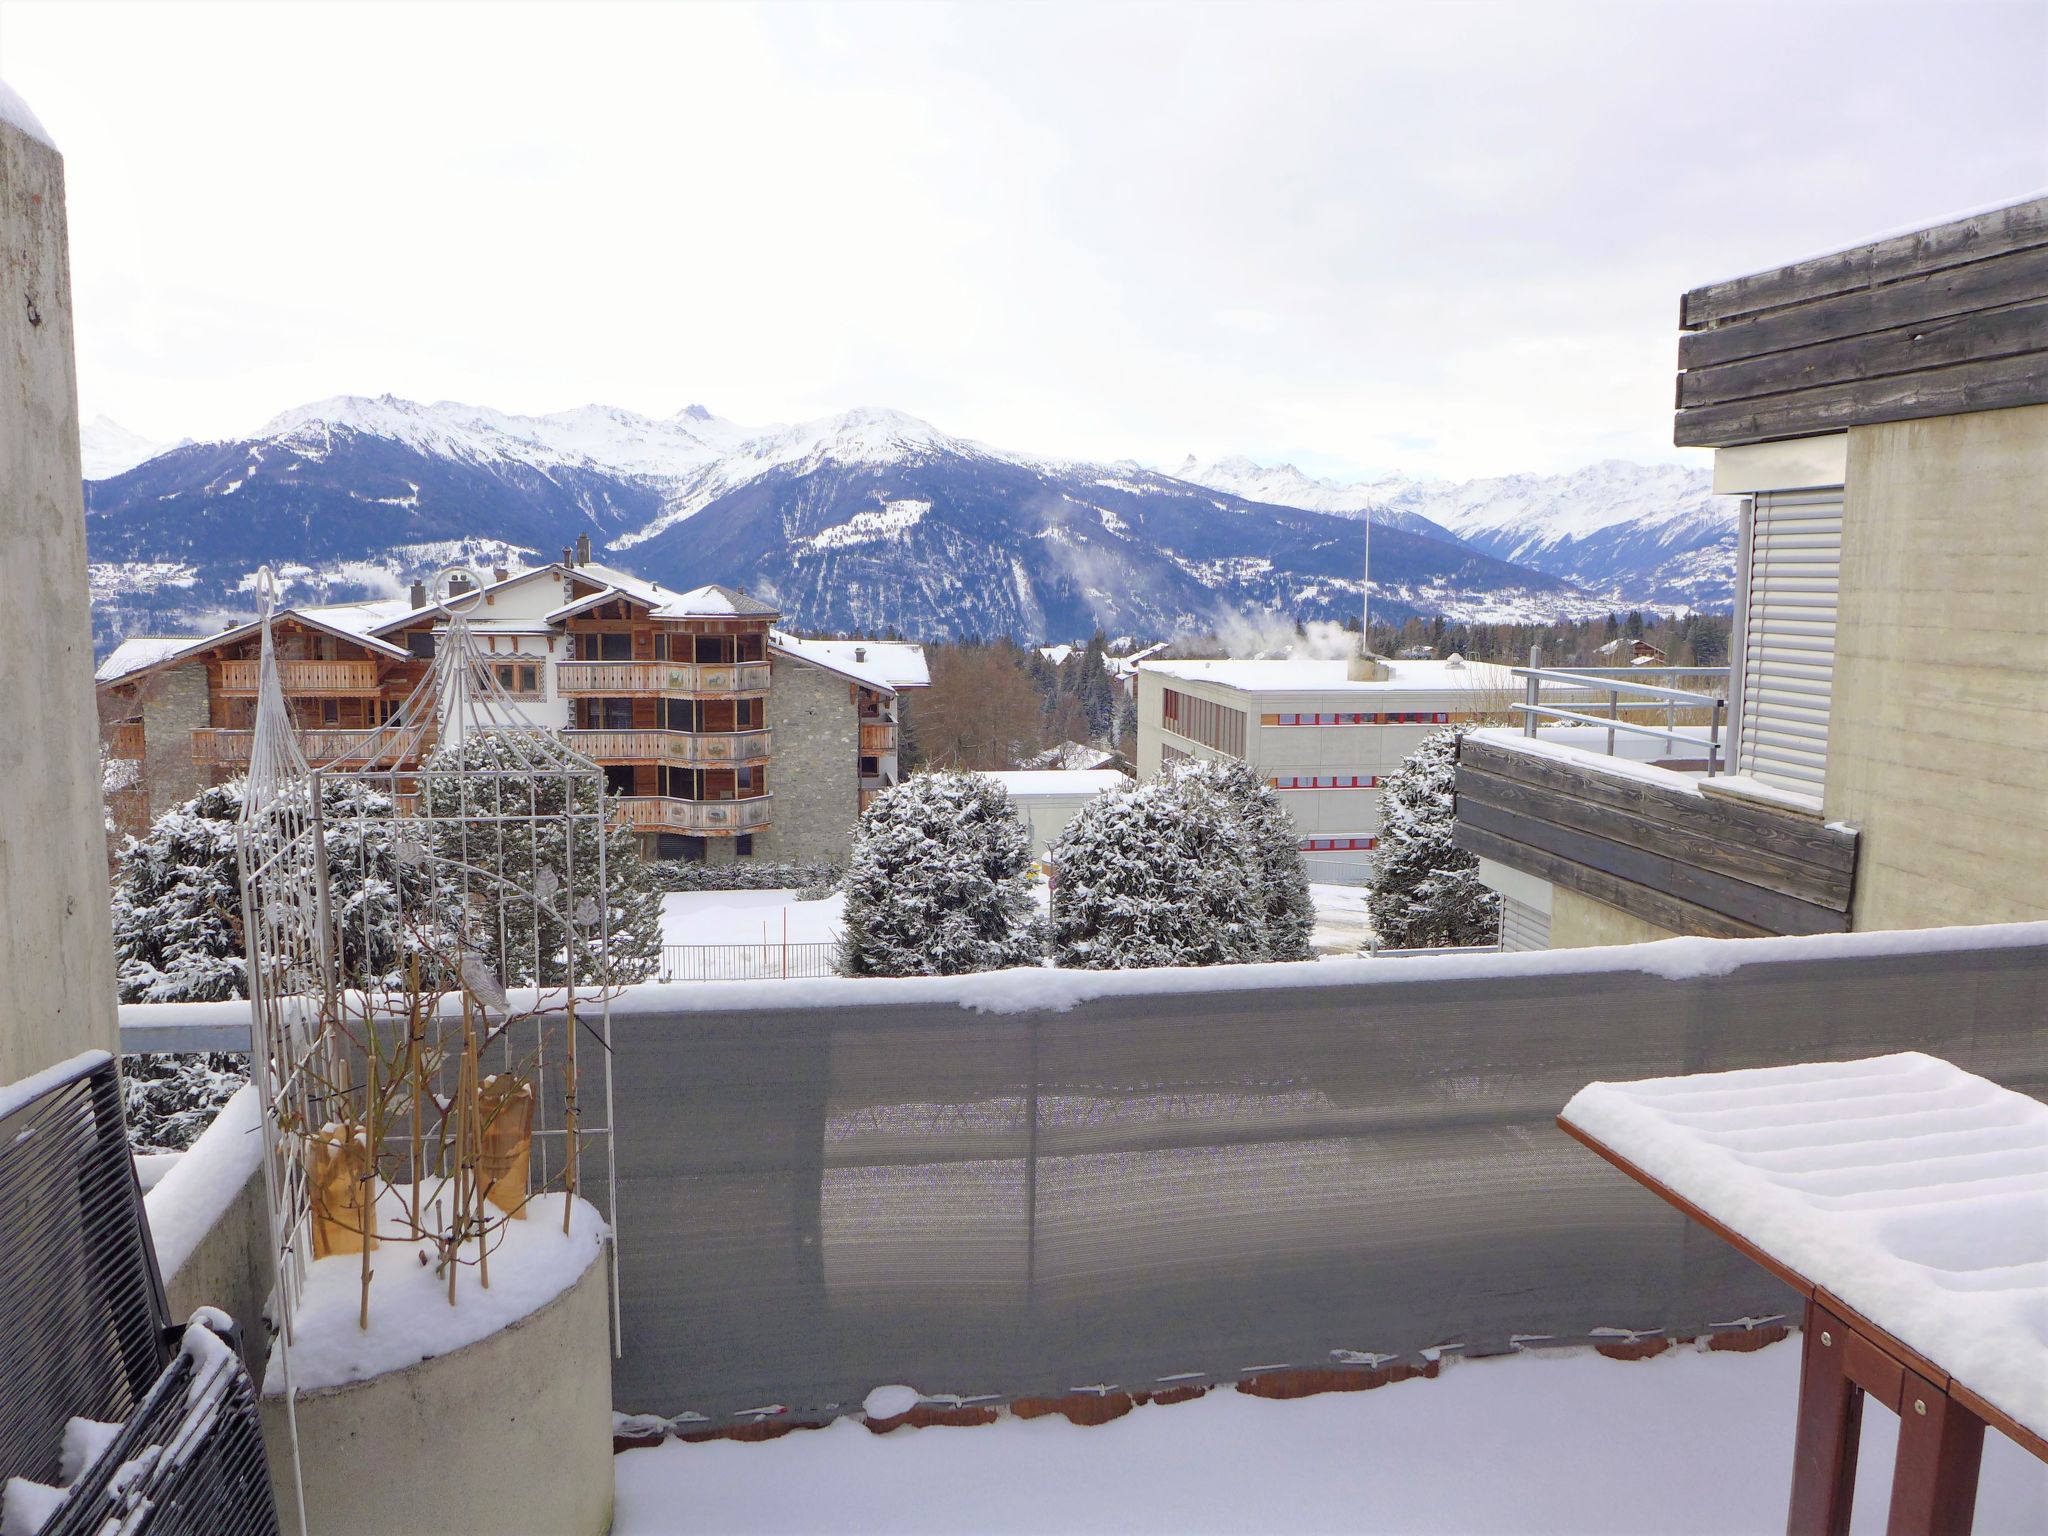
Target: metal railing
(748,962)
(1625,689)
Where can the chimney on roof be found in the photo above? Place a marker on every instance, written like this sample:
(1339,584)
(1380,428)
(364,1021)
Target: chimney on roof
(583,549)
(499,573)
(860,653)
(568,555)
(419,594)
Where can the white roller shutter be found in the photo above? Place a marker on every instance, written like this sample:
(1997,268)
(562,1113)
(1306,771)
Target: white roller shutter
(1523,926)
(1788,657)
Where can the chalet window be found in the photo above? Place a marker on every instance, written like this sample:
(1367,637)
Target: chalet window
(752,647)
(673,845)
(618,779)
(750,781)
(520,679)
(420,642)
(614,647)
(660,646)
(870,767)
(1788,637)
(743,845)
(330,712)
(1204,720)
(713,648)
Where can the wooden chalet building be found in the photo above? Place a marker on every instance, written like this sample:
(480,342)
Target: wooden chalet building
(720,736)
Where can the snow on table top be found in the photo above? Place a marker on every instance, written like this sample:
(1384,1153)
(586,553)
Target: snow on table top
(410,1318)
(1914,1191)
(188,1200)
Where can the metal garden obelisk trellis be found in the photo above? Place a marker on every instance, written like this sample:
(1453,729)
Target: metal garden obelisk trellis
(428,920)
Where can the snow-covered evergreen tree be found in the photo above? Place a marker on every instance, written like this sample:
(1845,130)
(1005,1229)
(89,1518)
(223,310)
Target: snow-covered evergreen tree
(177,899)
(1426,892)
(524,899)
(1162,873)
(169,1097)
(938,883)
(1274,846)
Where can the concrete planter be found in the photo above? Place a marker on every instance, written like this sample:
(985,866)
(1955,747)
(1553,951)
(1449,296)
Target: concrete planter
(511,1434)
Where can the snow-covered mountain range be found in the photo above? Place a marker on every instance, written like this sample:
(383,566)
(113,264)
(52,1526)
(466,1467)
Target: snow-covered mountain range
(867,520)
(1644,533)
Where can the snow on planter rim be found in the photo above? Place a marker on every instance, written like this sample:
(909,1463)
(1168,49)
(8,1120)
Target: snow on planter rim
(204,1181)
(1914,1191)
(410,1318)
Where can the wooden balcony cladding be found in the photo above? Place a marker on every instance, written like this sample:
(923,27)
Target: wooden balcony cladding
(1692,863)
(126,740)
(665,677)
(673,746)
(714,818)
(1949,319)
(303,676)
(877,736)
(217,748)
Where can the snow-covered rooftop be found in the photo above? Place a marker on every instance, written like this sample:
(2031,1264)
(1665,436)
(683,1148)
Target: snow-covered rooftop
(138,652)
(1307,675)
(884,664)
(1914,1191)
(713,602)
(1031,783)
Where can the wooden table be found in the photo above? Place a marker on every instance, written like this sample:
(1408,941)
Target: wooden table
(1905,1136)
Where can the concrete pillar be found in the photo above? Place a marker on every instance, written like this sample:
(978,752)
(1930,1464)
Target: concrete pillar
(56,946)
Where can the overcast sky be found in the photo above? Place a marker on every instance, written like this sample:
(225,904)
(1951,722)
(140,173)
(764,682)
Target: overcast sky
(1438,238)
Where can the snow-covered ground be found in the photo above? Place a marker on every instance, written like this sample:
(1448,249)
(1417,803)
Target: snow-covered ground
(1568,1442)
(1342,924)
(749,917)
(757,917)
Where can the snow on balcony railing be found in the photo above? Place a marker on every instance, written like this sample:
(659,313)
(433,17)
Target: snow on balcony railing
(1632,689)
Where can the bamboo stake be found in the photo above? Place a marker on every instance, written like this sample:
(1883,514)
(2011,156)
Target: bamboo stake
(366,1196)
(569,1108)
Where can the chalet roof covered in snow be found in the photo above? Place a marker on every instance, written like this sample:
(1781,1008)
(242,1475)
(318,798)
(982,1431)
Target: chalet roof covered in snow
(884,664)
(715,602)
(139,652)
(346,621)
(1915,1192)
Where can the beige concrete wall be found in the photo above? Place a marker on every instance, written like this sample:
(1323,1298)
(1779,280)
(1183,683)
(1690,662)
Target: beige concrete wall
(511,1436)
(1938,733)
(56,947)
(1579,922)
(230,1268)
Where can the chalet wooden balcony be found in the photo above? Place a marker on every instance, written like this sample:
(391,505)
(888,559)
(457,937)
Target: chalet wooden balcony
(673,746)
(1687,853)
(303,676)
(217,748)
(663,677)
(700,818)
(877,736)
(126,740)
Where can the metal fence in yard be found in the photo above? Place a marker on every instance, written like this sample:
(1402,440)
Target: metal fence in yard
(747,962)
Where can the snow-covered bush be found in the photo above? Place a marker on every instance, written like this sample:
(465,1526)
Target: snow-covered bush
(516,836)
(938,885)
(177,900)
(169,1097)
(1426,892)
(1274,845)
(1162,873)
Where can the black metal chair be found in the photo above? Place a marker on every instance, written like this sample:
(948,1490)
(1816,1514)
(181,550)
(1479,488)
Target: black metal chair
(85,1333)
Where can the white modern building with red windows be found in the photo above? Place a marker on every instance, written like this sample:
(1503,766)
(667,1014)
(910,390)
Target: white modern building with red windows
(1324,741)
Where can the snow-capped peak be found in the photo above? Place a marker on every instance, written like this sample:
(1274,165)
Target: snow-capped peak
(106,448)
(604,436)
